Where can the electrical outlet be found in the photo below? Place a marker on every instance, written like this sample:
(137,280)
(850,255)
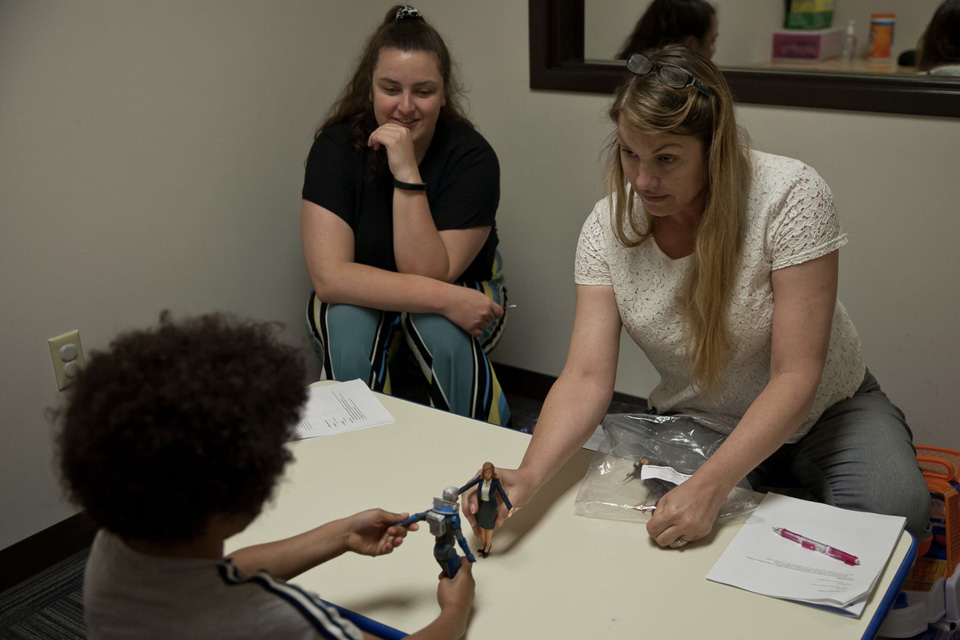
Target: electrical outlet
(67,354)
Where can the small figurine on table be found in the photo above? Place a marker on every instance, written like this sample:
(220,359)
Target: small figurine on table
(487,504)
(444,521)
(637,469)
(657,487)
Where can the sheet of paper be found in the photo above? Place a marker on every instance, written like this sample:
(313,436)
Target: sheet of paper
(663,473)
(762,561)
(341,407)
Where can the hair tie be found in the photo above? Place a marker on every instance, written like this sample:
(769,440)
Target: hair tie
(407,12)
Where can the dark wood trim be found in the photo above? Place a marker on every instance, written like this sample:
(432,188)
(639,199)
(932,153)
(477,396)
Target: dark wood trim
(44,550)
(535,386)
(557,64)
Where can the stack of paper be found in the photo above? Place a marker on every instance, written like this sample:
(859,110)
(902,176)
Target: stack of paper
(762,561)
(341,407)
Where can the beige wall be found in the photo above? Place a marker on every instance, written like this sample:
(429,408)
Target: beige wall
(152,158)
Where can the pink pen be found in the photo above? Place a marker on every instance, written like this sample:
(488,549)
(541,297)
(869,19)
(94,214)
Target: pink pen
(813,545)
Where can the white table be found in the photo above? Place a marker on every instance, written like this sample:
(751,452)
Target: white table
(552,574)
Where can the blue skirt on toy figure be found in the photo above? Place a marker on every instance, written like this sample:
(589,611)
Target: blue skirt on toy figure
(489,486)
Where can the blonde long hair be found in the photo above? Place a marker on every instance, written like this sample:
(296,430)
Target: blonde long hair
(647,106)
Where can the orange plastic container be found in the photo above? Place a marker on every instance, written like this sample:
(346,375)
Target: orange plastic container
(881,35)
(937,462)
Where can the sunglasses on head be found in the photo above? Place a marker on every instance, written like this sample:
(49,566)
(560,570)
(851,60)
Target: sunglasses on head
(668,74)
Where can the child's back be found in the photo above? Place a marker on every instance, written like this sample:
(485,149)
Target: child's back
(133,595)
(172,440)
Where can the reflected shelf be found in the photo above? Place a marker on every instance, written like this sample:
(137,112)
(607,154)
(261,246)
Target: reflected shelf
(557,63)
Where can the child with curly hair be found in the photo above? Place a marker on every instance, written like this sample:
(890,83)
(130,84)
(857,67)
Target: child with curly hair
(172,440)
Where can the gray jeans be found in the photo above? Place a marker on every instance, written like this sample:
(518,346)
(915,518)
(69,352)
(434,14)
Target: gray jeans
(859,455)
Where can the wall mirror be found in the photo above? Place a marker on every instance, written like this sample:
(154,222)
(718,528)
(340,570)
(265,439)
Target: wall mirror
(565,57)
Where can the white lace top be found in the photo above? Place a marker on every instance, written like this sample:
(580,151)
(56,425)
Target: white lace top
(790,219)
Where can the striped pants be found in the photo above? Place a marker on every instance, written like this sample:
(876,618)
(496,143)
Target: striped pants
(359,342)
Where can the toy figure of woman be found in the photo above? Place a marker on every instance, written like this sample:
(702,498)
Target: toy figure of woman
(487,509)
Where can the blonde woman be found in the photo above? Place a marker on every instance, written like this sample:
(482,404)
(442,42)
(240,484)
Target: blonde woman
(722,265)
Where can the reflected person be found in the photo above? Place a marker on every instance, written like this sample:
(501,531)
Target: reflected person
(939,52)
(688,22)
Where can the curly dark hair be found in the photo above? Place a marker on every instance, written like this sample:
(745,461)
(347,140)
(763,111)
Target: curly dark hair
(172,425)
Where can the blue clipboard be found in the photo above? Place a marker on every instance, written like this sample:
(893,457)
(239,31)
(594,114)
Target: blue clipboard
(888,598)
(370,626)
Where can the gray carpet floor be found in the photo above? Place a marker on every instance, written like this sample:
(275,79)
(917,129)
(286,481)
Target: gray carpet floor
(49,606)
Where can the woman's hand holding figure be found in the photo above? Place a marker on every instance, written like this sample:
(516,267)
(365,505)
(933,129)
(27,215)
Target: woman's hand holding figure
(514,484)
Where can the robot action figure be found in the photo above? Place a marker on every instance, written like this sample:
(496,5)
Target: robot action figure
(444,520)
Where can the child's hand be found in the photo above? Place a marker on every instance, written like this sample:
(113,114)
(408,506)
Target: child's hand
(457,593)
(374,532)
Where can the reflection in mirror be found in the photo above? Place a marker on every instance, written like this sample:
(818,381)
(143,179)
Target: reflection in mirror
(559,58)
(747,27)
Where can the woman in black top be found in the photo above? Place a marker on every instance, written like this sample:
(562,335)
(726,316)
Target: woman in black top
(398,226)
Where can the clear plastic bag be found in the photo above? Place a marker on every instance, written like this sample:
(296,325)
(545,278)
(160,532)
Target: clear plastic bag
(612,487)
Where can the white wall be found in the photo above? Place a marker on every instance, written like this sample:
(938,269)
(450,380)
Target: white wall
(152,158)
(896,186)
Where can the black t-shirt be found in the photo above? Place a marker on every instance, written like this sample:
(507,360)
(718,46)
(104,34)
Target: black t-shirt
(463,190)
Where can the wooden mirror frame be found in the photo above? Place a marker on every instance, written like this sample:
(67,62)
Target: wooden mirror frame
(557,63)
